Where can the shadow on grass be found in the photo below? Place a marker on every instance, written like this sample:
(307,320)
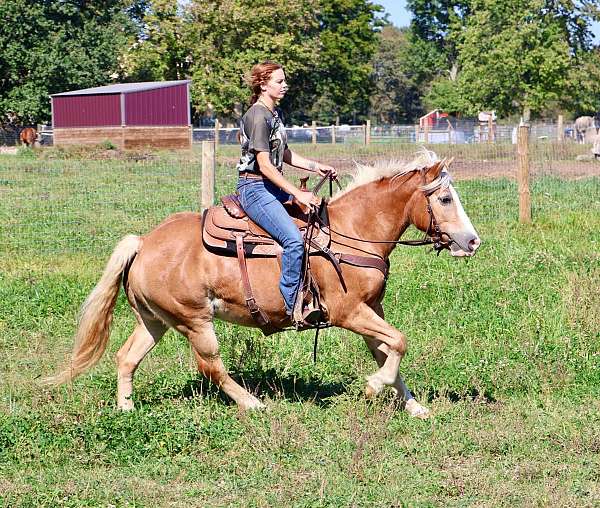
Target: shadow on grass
(262,384)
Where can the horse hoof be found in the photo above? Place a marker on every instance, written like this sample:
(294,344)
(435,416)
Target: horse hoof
(416,410)
(370,392)
(374,386)
(252,405)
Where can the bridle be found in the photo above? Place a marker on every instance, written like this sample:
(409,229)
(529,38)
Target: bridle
(432,236)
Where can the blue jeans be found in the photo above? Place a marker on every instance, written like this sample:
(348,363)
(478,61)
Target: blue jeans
(262,201)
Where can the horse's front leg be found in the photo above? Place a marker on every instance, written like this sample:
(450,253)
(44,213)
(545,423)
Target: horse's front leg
(380,351)
(388,346)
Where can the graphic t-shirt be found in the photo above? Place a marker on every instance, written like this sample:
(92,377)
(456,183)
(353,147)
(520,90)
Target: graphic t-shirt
(261,131)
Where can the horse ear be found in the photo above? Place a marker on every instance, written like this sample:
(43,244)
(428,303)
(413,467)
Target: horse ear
(434,171)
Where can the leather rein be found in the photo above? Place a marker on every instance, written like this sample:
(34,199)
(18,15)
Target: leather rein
(432,236)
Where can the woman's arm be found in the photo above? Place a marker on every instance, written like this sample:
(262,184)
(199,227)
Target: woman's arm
(307,199)
(293,159)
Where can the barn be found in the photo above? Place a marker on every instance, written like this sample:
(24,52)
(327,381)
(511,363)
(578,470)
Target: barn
(129,115)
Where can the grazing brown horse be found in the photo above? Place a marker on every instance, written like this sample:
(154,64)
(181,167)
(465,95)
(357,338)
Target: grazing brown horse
(28,136)
(172,280)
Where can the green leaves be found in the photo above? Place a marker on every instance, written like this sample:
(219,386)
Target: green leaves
(50,47)
(324,45)
(515,56)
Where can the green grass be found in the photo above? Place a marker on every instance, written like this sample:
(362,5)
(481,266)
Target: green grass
(504,348)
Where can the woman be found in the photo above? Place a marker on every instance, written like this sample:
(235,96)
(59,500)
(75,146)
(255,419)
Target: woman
(262,187)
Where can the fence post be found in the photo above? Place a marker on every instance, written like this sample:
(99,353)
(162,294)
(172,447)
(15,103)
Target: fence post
(416,133)
(208,174)
(217,128)
(314,132)
(368,133)
(491,136)
(333,134)
(523,174)
(559,126)
(426,132)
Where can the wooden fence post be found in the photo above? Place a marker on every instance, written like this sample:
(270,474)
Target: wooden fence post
(426,133)
(333,134)
(560,128)
(314,132)
(208,174)
(368,133)
(491,136)
(217,128)
(523,174)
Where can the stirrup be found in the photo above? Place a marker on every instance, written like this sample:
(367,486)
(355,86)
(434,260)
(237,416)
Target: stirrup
(309,318)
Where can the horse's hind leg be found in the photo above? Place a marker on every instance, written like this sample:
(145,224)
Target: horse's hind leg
(145,336)
(206,349)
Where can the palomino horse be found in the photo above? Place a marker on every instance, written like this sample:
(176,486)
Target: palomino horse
(28,136)
(172,280)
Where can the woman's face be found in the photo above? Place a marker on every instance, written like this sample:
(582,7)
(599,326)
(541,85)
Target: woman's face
(277,86)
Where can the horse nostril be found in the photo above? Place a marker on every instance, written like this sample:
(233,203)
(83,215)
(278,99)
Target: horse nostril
(474,243)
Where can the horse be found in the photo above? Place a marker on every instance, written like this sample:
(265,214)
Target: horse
(582,124)
(28,136)
(172,280)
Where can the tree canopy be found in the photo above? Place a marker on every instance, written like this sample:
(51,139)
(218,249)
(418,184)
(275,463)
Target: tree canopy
(49,47)
(342,60)
(514,56)
(325,47)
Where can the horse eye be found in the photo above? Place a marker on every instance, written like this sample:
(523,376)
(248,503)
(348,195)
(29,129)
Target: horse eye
(445,200)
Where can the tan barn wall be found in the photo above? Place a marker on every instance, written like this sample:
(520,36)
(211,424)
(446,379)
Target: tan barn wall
(176,137)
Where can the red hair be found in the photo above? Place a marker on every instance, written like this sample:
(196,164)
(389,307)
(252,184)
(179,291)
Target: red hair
(259,75)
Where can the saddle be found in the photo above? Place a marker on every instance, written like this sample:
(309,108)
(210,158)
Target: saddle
(223,225)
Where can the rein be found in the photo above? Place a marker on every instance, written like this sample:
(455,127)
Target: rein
(432,236)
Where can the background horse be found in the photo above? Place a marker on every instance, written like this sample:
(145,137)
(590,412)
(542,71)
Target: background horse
(28,136)
(582,124)
(172,280)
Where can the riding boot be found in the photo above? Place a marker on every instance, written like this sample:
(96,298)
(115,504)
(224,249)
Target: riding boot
(306,313)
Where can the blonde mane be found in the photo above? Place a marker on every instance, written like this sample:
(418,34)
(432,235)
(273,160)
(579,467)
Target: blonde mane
(394,168)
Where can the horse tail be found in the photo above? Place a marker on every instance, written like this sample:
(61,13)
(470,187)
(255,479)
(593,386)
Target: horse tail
(96,314)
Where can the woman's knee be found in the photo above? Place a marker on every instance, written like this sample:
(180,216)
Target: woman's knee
(294,244)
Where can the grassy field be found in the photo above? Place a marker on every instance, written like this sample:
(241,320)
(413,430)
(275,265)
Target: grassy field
(504,348)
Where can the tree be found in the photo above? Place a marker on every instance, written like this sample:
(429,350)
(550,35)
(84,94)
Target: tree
(347,30)
(403,69)
(50,47)
(160,52)
(324,45)
(517,56)
(440,22)
(513,56)
(226,37)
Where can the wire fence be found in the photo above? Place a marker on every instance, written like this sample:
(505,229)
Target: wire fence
(456,131)
(54,201)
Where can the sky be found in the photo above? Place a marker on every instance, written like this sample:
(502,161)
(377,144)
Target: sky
(399,16)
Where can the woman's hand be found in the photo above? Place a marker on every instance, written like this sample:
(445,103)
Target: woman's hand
(324,169)
(306,200)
